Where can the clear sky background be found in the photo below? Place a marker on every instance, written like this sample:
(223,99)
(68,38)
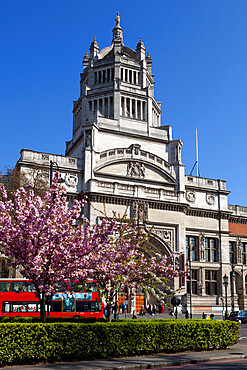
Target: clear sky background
(199,52)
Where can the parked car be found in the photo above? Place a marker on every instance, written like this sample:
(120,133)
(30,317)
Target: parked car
(240,316)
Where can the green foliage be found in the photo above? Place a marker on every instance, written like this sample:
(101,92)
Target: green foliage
(26,343)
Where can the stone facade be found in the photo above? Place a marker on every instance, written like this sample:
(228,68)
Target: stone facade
(122,157)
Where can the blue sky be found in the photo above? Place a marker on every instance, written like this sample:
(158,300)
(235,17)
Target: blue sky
(199,54)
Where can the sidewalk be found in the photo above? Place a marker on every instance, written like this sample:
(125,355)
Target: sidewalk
(238,351)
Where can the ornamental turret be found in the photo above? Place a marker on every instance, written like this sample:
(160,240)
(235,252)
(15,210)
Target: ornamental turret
(85,61)
(149,63)
(140,50)
(94,48)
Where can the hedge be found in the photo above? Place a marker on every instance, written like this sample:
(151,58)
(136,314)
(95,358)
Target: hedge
(22,343)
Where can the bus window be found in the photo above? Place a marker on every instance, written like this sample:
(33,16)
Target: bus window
(31,288)
(81,306)
(56,306)
(61,286)
(4,286)
(19,286)
(6,306)
(95,306)
(90,286)
(76,287)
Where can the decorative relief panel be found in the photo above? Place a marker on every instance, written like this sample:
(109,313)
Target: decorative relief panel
(210,199)
(191,196)
(71,180)
(166,234)
(136,169)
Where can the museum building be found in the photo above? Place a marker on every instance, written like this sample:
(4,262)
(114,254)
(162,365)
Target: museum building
(124,159)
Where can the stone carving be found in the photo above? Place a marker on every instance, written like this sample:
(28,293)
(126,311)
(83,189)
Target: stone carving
(88,139)
(71,180)
(140,211)
(167,235)
(201,244)
(117,19)
(136,169)
(239,250)
(191,196)
(210,199)
(45,157)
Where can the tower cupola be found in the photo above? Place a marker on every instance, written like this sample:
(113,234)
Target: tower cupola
(117,31)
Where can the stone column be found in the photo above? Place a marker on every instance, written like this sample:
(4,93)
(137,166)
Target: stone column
(109,106)
(141,108)
(131,114)
(124,107)
(103,106)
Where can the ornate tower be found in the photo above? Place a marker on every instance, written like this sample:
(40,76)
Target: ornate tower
(117,110)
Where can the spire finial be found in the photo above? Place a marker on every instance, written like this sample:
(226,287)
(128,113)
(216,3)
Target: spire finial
(94,38)
(117,19)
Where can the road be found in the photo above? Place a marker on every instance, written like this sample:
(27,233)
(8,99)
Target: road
(226,365)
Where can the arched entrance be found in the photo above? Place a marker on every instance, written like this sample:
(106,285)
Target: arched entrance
(129,301)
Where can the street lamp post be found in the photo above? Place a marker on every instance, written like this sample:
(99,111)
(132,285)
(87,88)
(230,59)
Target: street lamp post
(225,282)
(60,180)
(233,287)
(190,285)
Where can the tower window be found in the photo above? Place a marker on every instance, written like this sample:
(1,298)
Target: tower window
(139,78)
(130,76)
(99,77)
(134,77)
(95,77)
(90,106)
(103,76)
(112,74)
(108,75)
(126,75)
(122,74)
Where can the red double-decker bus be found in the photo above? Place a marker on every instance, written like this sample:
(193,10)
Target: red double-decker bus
(18,298)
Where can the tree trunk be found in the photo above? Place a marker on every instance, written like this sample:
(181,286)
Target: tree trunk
(42,308)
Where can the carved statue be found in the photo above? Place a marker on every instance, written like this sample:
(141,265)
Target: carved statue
(136,169)
(117,19)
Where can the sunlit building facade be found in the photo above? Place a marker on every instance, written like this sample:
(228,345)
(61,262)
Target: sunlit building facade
(124,158)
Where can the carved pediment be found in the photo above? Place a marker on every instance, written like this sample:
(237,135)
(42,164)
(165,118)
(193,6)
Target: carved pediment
(135,169)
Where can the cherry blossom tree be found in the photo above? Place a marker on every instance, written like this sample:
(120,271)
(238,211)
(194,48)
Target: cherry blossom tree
(50,243)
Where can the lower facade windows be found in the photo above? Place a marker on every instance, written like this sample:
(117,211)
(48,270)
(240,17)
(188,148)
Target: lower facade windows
(211,287)
(195,289)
